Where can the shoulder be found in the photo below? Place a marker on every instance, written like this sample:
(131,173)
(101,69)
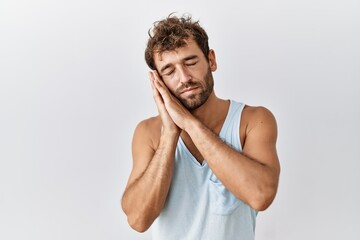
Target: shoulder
(258,118)
(149,124)
(148,131)
(257,113)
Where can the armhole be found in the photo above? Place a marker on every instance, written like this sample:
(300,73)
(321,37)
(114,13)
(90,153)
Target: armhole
(239,126)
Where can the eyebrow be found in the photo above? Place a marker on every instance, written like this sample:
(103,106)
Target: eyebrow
(191,57)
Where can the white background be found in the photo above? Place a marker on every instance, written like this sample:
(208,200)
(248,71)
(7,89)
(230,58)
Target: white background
(73,86)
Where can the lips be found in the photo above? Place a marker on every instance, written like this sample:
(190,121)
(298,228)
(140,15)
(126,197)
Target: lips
(188,89)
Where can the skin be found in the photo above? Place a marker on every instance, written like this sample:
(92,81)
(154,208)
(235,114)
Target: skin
(251,176)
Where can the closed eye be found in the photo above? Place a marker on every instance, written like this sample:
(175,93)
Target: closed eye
(191,64)
(169,72)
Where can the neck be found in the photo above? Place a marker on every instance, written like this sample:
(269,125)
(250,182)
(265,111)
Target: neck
(212,112)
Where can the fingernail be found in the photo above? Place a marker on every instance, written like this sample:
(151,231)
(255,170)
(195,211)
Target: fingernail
(151,76)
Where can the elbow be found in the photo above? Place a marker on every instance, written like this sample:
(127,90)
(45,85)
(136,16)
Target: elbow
(141,221)
(260,205)
(138,221)
(263,200)
(264,196)
(139,225)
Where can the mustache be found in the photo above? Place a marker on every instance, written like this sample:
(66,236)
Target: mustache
(186,85)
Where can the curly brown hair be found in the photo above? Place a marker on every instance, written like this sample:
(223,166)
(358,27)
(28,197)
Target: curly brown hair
(171,33)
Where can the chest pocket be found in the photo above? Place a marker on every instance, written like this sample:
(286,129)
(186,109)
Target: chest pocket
(222,201)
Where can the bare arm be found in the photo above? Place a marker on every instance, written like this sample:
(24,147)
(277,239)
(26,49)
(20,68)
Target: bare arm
(253,175)
(150,179)
(149,184)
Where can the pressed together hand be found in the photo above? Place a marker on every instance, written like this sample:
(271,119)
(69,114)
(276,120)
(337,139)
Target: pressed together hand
(173,114)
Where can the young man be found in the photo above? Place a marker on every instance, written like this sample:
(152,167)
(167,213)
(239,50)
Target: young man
(204,166)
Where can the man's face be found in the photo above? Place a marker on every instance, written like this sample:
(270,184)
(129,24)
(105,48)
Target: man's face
(187,74)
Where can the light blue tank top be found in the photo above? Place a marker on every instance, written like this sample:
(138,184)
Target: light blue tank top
(198,206)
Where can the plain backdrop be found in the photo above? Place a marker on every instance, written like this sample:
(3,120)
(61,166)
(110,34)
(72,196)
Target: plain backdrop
(73,86)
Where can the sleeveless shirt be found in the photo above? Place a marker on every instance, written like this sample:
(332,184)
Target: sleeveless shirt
(198,206)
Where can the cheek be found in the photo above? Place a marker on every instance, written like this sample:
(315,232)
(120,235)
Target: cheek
(171,85)
(200,73)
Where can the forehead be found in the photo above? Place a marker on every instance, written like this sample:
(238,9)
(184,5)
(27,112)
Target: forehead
(177,55)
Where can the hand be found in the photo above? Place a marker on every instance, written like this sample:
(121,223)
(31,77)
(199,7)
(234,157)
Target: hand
(178,113)
(168,124)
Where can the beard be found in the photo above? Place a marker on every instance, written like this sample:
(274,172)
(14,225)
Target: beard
(195,101)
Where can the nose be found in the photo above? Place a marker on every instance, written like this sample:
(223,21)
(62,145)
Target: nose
(184,75)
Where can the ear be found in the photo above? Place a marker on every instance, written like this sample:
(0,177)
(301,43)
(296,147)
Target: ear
(212,60)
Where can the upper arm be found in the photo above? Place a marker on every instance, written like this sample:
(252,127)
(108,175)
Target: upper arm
(261,136)
(142,150)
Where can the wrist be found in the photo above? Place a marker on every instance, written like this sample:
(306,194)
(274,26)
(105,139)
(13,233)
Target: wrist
(171,133)
(191,124)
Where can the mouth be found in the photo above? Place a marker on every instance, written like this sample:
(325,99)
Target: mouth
(188,90)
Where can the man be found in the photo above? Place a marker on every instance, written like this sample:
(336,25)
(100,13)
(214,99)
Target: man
(204,166)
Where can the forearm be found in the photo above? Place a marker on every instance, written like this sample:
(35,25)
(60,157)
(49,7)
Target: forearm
(249,180)
(145,197)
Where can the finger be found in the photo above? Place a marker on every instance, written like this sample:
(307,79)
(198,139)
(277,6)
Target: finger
(151,77)
(157,96)
(154,88)
(162,89)
(156,75)
(152,83)
(157,78)
(158,84)
(160,104)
